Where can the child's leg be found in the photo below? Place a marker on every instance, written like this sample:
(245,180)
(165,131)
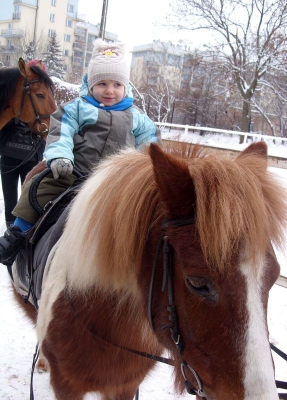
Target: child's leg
(49,189)
(14,237)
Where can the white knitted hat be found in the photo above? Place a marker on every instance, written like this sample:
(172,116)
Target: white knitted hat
(108,62)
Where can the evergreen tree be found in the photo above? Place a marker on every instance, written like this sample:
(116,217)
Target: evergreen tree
(29,52)
(53,58)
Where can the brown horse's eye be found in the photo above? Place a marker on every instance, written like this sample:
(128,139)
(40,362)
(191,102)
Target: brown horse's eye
(202,287)
(40,95)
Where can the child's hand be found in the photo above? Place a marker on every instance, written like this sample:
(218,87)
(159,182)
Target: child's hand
(61,167)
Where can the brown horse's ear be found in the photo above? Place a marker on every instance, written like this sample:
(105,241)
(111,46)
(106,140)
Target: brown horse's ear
(22,66)
(258,149)
(174,182)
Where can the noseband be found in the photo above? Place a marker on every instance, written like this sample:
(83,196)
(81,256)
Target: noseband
(26,89)
(167,284)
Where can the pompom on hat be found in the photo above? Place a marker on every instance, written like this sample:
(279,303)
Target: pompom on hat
(108,63)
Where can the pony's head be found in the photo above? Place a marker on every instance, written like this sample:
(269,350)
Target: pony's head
(27,93)
(223,268)
(218,219)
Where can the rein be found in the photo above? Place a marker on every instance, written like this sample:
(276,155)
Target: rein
(26,89)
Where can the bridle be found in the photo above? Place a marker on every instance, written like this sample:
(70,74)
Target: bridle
(26,89)
(171,308)
(167,284)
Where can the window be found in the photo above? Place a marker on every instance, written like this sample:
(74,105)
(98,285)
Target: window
(66,52)
(69,23)
(65,67)
(52,17)
(67,38)
(70,8)
(51,32)
(53,3)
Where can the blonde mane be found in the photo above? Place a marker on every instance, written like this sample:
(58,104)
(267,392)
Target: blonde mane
(116,208)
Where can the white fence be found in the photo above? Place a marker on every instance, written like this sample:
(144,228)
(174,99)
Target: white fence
(186,132)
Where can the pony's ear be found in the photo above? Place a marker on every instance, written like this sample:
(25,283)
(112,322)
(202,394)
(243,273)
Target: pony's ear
(174,182)
(257,149)
(22,66)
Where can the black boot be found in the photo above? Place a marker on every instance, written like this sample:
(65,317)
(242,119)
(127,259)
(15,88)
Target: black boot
(10,244)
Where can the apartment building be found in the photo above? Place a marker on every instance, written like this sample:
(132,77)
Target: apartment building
(22,21)
(154,60)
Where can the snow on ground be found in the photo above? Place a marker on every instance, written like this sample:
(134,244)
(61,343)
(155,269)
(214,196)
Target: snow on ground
(18,342)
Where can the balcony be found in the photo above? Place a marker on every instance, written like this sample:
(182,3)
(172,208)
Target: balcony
(8,33)
(79,46)
(16,15)
(8,49)
(80,32)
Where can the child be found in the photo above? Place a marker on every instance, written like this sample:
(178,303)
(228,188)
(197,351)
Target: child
(83,131)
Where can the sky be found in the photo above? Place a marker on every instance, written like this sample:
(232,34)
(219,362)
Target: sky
(136,22)
(18,339)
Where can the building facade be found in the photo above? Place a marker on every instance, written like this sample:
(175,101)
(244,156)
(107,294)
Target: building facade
(154,60)
(23,21)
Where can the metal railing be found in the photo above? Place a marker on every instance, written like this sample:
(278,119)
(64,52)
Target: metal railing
(189,129)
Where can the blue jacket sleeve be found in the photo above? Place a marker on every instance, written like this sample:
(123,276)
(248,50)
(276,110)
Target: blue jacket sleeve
(144,128)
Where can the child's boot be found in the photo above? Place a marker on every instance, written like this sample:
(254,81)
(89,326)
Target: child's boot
(10,244)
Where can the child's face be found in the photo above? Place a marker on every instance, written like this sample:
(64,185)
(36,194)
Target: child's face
(108,92)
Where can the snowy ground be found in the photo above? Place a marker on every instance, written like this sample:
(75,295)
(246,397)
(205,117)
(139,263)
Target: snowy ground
(18,341)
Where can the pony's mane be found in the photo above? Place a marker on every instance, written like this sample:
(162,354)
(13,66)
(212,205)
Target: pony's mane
(8,82)
(9,79)
(237,201)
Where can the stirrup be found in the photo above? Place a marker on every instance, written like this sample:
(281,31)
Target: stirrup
(10,245)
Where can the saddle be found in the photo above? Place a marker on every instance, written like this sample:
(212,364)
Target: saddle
(28,269)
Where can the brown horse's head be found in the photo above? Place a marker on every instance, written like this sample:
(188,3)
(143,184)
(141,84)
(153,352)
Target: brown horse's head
(166,249)
(35,99)
(223,267)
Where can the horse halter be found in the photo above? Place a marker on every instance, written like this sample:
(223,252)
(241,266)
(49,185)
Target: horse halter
(171,308)
(26,89)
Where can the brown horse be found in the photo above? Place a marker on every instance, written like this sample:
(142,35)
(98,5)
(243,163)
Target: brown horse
(27,93)
(170,249)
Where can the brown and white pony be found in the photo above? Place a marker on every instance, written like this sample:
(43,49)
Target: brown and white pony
(170,250)
(27,93)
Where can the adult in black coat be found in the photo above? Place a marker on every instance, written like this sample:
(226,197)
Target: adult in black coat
(20,152)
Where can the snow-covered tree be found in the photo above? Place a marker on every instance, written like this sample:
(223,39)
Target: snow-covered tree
(30,51)
(53,57)
(250,39)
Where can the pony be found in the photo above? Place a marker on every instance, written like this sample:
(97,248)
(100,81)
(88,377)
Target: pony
(27,94)
(165,250)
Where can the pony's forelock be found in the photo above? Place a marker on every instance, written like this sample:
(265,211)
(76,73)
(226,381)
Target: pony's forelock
(238,203)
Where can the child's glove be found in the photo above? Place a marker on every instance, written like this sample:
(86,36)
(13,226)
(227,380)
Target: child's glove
(61,167)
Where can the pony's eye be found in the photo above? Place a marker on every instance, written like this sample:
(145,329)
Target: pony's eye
(40,95)
(202,287)
(196,283)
